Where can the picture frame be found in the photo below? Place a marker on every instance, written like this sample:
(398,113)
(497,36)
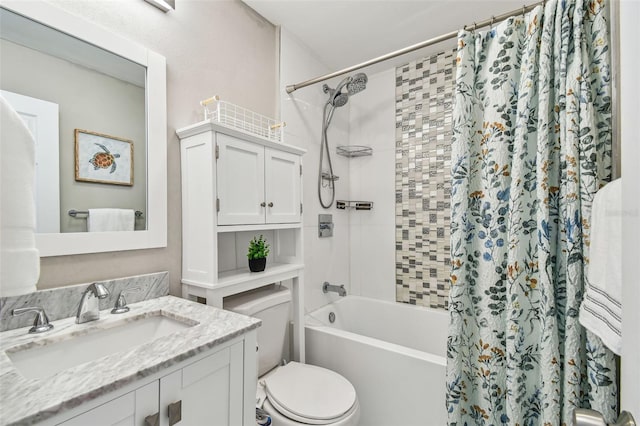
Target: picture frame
(102,158)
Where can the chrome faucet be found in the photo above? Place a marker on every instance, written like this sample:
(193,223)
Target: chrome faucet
(326,288)
(89,309)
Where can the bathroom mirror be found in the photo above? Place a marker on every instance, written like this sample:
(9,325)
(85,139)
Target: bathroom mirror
(114,92)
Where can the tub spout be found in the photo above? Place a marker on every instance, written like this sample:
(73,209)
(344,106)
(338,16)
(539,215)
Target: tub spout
(326,288)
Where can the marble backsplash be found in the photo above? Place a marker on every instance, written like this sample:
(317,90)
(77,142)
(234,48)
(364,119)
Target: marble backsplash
(63,302)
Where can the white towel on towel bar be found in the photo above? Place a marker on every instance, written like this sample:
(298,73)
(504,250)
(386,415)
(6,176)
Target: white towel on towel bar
(104,220)
(19,257)
(601,309)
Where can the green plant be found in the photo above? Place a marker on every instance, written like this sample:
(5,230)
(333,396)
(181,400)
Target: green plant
(258,248)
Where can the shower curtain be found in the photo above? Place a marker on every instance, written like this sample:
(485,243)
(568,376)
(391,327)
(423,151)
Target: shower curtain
(531,146)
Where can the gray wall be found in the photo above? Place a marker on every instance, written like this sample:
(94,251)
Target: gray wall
(212,47)
(87,100)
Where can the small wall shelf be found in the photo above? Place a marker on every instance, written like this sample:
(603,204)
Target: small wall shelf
(351,151)
(357,205)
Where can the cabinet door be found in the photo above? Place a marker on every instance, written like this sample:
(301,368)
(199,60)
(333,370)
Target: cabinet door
(240,181)
(207,392)
(130,409)
(282,186)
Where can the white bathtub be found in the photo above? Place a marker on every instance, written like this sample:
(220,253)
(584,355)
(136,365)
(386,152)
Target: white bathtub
(393,353)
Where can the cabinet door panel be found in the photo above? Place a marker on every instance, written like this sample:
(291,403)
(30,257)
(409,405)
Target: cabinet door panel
(119,411)
(147,402)
(282,186)
(240,179)
(127,410)
(207,389)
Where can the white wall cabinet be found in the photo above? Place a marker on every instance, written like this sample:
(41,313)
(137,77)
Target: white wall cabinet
(236,186)
(256,184)
(217,389)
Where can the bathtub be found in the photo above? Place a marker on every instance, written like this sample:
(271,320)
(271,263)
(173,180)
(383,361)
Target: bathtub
(393,353)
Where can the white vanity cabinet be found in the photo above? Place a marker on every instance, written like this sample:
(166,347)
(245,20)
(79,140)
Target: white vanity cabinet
(209,391)
(236,186)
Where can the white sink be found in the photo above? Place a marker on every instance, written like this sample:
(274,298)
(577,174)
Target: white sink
(44,361)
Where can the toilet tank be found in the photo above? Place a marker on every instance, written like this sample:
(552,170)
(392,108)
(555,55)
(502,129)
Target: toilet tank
(272,305)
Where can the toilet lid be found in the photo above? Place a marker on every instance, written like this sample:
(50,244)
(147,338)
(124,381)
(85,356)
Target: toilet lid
(310,392)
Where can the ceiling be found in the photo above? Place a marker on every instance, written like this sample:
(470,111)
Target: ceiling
(342,33)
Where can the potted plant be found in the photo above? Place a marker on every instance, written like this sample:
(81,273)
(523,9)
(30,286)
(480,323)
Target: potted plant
(258,251)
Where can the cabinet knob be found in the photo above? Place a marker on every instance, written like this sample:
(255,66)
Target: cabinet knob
(263,204)
(152,420)
(270,204)
(175,412)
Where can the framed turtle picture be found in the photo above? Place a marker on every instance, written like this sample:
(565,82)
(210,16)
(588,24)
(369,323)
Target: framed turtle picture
(103,158)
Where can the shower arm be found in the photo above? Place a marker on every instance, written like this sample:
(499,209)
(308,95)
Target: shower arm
(453,34)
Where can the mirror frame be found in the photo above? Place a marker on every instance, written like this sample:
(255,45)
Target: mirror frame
(155,234)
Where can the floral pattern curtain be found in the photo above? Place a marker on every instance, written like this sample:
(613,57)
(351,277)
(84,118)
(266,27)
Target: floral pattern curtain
(532,145)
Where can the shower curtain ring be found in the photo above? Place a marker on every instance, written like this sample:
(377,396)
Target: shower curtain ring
(474,27)
(524,10)
(493,19)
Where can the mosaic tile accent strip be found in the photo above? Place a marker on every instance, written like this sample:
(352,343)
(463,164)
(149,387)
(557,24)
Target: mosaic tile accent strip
(424,105)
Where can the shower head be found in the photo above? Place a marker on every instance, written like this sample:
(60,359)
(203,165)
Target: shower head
(354,84)
(340,99)
(346,81)
(357,84)
(336,97)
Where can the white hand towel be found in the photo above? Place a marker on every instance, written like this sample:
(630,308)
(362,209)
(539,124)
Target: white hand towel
(601,309)
(19,258)
(102,220)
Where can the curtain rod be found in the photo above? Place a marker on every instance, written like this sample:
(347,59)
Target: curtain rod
(293,87)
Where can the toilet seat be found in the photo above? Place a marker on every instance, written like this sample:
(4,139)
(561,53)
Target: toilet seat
(310,394)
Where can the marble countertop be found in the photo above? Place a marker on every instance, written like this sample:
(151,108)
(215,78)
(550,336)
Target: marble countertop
(27,401)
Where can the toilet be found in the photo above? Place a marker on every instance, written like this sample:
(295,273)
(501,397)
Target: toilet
(293,393)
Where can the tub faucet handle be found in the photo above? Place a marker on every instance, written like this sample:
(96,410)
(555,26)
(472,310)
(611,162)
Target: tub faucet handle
(40,322)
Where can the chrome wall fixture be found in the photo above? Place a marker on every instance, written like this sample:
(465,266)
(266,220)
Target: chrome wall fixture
(75,213)
(325,225)
(163,5)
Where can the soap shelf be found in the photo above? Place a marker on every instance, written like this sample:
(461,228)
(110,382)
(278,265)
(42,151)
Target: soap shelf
(357,205)
(327,176)
(351,151)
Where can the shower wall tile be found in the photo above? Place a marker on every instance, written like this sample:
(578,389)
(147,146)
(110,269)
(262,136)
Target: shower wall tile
(424,104)
(372,178)
(326,259)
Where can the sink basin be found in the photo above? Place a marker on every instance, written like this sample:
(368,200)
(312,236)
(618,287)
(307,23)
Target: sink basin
(48,359)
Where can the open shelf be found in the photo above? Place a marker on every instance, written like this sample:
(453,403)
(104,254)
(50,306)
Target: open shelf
(240,280)
(351,151)
(356,205)
(271,274)
(256,228)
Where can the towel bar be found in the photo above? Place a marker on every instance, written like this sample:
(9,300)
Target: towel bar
(75,213)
